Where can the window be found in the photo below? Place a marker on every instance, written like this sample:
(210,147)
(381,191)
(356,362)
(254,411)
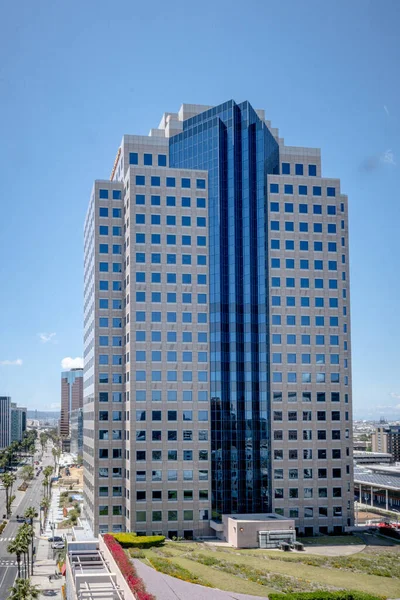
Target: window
(330,191)
(170,182)
(201,184)
(133,158)
(162,160)
(155,181)
(285,168)
(288,188)
(274,188)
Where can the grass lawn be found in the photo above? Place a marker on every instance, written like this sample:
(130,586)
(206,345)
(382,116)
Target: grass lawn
(258,572)
(331,540)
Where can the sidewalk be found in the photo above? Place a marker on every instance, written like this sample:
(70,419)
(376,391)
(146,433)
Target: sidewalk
(43,567)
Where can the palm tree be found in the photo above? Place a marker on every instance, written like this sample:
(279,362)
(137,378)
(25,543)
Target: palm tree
(8,480)
(25,535)
(31,514)
(23,589)
(45,505)
(47,472)
(16,547)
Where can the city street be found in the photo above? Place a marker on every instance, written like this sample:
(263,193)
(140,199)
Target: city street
(32,497)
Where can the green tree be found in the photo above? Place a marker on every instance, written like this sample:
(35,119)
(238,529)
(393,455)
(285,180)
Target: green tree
(31,514)
(16,547)
(8,480)
(47,472)
(45,505)
(23,589)
(27,473)
(25,535)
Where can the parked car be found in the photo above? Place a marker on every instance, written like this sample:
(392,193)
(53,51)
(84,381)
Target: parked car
(58,545)
(20,519)
(56,538)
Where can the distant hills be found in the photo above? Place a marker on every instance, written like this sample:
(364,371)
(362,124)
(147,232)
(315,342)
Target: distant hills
(43,414)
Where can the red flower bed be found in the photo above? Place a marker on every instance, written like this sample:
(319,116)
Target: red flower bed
(127,569)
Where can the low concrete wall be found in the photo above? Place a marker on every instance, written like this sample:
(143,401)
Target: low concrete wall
(120,580)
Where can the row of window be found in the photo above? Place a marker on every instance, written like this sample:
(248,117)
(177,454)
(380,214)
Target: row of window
(156,317)
(304,339)
(304,246)
(298,169)
(171,240)
(105,230)
(335,415)
(293,436)
(319,301)
(307,493)
(307,454)
(172,455)
(187,336)
(148,159)
(302,190)
(303,227)
(303,208)
(172,435)
(291,358)
(156,396)
(157,495)
(157,515)
(170,396)
(303,263)
(155,200)
(304,321)
(322,511)
(104,212)
(201,259)
(171,297)
(115,194)
(170,182)
(170,220)
(309,396)
(105,248)
(171,356)
(277,377)
(186,279)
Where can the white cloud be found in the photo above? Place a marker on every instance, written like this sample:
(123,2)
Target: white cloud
(386,110)
(394,395)
(388,158)
(47,337)
(72,363)
(11,363)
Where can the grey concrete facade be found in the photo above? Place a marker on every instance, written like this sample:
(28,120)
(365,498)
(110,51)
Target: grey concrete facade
(146,406)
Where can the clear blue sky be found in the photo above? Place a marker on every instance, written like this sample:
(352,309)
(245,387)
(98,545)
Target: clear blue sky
(75,76)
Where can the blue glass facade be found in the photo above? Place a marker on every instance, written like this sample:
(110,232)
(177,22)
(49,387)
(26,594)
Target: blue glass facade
(236,148)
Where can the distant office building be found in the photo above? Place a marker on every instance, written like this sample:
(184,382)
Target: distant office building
(71,398)
(5,421)
(76,431)
(18,422)
(386,438)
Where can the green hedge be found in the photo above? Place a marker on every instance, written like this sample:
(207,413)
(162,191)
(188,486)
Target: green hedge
(131,540)
(339,595)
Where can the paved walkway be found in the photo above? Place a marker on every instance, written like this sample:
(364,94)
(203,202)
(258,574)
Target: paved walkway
(165,587)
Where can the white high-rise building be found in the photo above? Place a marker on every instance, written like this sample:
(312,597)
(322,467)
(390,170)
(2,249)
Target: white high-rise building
(217,327)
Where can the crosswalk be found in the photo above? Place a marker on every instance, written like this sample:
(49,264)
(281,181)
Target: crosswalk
(8,563)
(7,539)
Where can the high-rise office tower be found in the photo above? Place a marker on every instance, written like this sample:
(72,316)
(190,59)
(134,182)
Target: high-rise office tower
(5,421)
(71,398)
(216,327)
(18,422)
